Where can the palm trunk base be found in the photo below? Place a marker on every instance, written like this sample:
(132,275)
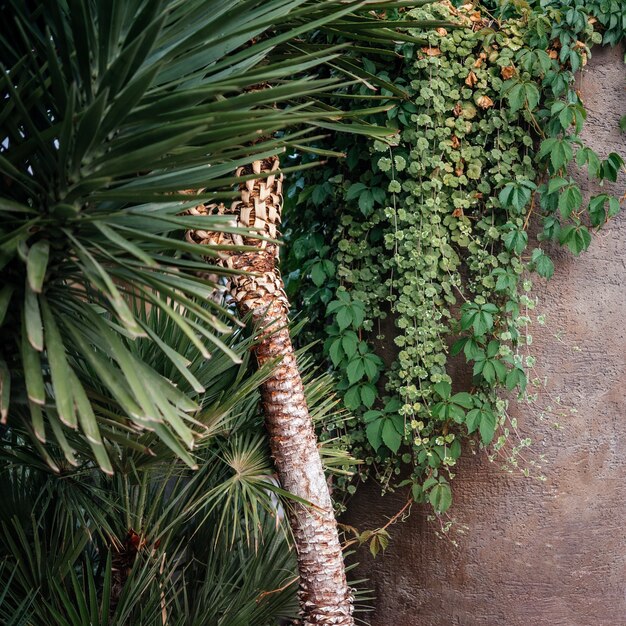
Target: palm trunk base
(325,598)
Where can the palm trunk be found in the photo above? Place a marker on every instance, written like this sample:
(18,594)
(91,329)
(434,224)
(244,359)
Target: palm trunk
(325,598)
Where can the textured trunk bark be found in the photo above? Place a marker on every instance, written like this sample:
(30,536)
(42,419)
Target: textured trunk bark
(325,598)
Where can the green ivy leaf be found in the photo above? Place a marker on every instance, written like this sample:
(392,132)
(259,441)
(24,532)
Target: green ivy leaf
(566,117)
(570,199)
(394,187)
(590,158)
(349,342)
(333,306)
(373,432)
(516,97)
(505,280)
(336,352)
(344,317)
(355,370)
(318,275)
(614,206)
(440,497)
(516,240)
(516,377)
(576,238)
(487,426)
(358,313)
(516,195)
(542,263)
(471,349)
(463,399)
(417,492)
(366,202)
(328,267)
(488,371)
(443,389)
(492,348)
(500,369)
(352,398)
(320,193)
(611,166)
(355,190)
(532,95)
(557,183)
(458,346)
(483,420)
(597,212)
(368,395)
(371,416)
(391,437)
(371,366)
(559,150)
(393,405)
(380,197)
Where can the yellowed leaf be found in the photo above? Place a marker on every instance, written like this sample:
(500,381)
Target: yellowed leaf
(507,72)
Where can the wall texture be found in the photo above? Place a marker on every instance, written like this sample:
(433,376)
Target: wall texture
(535,552)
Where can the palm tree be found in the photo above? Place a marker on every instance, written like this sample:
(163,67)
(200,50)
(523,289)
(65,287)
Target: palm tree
(325,597)
(111,109)
(258,291)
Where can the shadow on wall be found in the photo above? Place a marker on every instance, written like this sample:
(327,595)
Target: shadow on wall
(535,552)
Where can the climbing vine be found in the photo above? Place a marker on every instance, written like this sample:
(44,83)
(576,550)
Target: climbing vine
(407,253)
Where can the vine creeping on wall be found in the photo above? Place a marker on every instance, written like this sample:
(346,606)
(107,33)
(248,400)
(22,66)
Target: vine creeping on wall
(424,241)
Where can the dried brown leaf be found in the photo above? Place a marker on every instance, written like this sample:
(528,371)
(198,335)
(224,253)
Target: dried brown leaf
(471,79)
(484,102)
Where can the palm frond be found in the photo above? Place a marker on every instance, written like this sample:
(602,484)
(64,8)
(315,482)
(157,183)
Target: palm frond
(216,534)
(112,110)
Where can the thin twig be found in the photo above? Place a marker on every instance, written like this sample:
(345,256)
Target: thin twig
(269,593)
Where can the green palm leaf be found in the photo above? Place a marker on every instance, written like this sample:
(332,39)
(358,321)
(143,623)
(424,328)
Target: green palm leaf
(109,105)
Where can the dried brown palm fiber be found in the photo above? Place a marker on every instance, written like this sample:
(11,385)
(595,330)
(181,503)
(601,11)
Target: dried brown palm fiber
(325,598)
(124,555)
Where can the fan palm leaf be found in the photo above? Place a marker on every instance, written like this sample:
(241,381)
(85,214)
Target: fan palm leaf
(83,547)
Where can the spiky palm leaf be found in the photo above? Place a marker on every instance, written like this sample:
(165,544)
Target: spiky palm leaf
(111,110)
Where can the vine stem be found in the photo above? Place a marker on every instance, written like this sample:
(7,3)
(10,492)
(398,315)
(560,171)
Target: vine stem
(530,211)
(394,519)
(288,584)
(391,521)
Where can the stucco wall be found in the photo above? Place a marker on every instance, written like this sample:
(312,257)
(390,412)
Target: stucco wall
(537,553)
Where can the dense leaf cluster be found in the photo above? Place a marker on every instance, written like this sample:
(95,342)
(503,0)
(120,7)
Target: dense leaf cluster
(429,235)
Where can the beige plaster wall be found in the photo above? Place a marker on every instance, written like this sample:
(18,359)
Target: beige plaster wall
(550,553)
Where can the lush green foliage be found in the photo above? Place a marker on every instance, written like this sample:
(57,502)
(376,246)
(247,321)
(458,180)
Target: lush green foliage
(119,350)
(79,547)
(426,240)
(114,109)
(611,14)
(111,111)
